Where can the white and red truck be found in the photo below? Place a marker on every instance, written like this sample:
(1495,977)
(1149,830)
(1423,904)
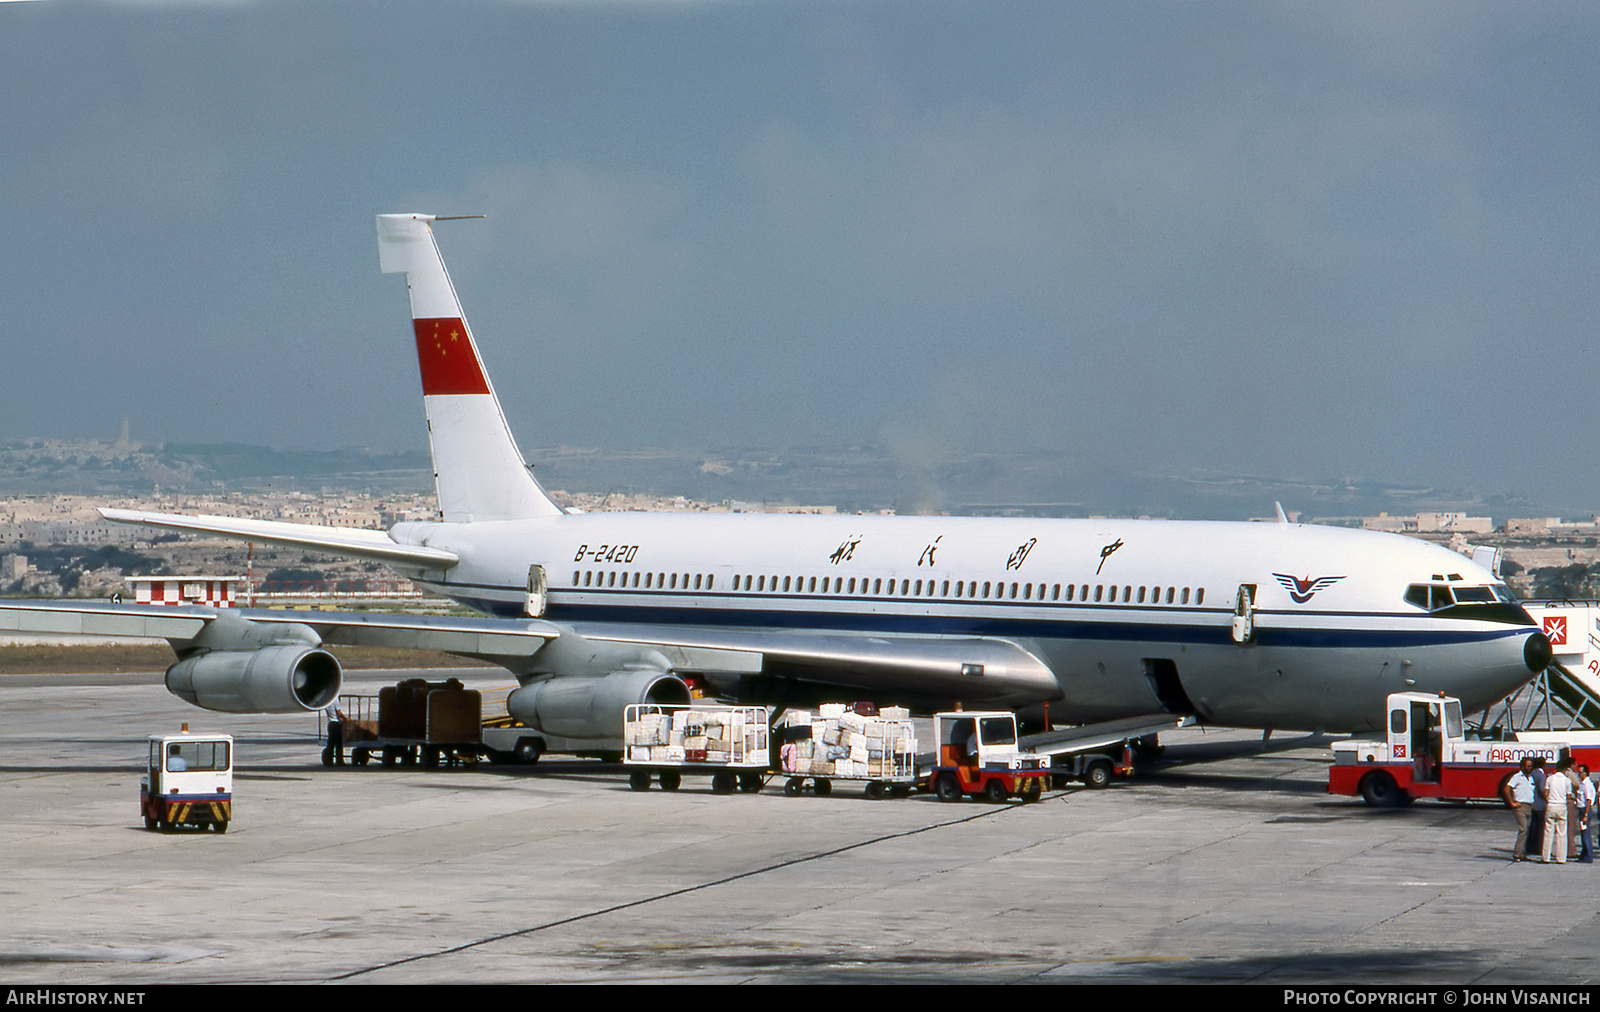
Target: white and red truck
(1425,754)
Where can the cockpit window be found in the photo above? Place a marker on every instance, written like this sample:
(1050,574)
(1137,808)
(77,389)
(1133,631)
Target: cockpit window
(1491,603)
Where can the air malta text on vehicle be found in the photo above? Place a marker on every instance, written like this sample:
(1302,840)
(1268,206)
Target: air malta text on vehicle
(1426,754)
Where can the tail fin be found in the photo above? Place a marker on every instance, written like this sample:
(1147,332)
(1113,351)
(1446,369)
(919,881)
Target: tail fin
(477,470)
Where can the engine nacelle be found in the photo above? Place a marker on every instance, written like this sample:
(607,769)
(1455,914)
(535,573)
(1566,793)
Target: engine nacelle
(590,706)
(288,678)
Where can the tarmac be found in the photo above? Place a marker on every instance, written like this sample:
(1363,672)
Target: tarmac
(1223,861)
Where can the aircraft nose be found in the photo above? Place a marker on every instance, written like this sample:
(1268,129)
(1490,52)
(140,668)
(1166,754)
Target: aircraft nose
(1536,652)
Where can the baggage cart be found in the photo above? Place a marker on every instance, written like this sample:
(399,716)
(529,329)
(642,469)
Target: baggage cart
(856,743)
(665,742)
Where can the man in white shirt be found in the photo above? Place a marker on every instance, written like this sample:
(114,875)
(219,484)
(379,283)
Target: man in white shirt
(1557,791)
(1519,797)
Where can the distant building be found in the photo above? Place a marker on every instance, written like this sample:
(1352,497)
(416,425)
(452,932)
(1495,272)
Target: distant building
(1430,523)
(215,591)
(13,568)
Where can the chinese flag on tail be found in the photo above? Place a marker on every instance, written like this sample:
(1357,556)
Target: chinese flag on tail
(445,355)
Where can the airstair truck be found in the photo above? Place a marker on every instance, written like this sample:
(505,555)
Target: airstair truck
(1425,754)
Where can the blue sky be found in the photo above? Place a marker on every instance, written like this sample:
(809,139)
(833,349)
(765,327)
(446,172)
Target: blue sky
(1310,240)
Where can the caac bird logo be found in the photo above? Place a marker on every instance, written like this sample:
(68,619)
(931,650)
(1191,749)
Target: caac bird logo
(1300,590)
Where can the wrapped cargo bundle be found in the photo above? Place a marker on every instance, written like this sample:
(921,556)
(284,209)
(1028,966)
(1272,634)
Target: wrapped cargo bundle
(839,743)
(705,734)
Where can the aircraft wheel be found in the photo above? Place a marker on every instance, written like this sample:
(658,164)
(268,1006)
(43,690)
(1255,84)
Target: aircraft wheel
(947,787)
(670,780)
(995,790)
(1380,791)
(1098,774)
(639,780)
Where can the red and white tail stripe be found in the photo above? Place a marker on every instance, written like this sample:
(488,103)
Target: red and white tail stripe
(478,472)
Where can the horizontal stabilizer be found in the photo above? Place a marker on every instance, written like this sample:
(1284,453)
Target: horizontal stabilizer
(350,542)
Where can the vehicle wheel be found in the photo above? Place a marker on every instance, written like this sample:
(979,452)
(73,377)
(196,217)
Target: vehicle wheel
(749,782)
(900,790)
(793,785)
(528,751)
(390,756)
(822,787)
(670,780)
(723,782)
(221,827)
(327,755)
(995,790)
(639,780)
(430,757)
(875,790)
(1030,789)
(1098,774)
(408,757)
(947,787)
(149,823)
(362,757)
(1380,791)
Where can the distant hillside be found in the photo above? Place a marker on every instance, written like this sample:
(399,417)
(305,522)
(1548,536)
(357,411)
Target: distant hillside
(40,467)
(853,478)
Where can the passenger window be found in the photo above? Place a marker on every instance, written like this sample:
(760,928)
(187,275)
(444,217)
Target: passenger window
(1097,589)
(1200,596)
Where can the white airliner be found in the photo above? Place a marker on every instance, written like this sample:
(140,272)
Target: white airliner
(1264,625)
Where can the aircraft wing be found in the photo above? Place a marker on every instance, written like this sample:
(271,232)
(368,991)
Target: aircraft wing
(901,668)
(352,542)
(479,637)
(886,667)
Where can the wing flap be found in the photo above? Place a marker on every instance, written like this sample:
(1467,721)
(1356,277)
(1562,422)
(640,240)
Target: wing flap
(477,637)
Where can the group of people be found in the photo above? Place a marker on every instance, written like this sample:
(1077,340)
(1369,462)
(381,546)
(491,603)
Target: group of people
(1555,811)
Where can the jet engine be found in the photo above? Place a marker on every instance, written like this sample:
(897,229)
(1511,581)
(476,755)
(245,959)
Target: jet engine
(590,706)
(239,666)
(282,679)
